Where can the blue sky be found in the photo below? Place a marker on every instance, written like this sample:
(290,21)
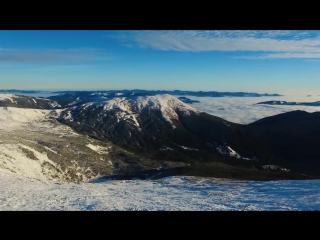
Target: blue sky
(255,61)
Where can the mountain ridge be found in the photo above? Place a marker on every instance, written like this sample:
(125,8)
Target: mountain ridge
(162,127)
(317,103)
(141,92)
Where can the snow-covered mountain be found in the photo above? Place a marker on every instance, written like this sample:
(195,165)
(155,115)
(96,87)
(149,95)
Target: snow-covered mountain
(150,125)
(34,144)
(129,109)
(163,127)
(76,138)
(19,101)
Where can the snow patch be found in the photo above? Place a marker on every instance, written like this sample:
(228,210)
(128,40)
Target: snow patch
(13,118)
(165,148)
(187,148)
(49,149)
(98,149)
(4,97)
(276,168)
(68,116)
(55,104)
(226,150)
(13,158)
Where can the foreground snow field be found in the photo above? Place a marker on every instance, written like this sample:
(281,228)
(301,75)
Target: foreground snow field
(168,194)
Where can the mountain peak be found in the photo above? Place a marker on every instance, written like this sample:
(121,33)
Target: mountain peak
(162,102)
(133,106)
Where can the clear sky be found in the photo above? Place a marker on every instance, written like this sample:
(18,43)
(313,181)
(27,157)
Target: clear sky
(242,60)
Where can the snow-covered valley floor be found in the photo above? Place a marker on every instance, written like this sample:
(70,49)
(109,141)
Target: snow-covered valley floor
(168,194)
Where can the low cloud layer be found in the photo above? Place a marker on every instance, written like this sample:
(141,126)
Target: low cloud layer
(244,109)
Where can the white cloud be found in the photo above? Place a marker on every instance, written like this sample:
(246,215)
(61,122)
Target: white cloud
(272,44)
(51,55)
(244,110)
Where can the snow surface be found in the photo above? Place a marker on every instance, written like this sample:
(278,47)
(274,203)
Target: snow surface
(274,167)
(165,148)
(16,119)
(227,150)
(12,119)
(187,148)
(168,194)
(4,97)
(13,159)
(98,149)
(166,103)
(12,98)
(130,108)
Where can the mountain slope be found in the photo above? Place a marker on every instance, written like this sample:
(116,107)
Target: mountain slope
(163,127)
(291,139)
(34,144)
(19,101)
(160,127)
(159,131)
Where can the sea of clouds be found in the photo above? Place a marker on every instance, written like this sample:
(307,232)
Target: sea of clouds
(245,110)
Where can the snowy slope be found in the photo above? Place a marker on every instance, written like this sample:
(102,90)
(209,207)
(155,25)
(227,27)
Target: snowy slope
(12,119)
(9,97)
(14,159)
(130,108)
(20,101)
(34,144)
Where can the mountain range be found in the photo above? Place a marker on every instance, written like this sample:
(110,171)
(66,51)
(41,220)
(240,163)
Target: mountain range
(291,103)
(140,92)
(161,128)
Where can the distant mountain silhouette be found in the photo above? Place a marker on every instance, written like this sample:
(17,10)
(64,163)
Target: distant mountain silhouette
(291,103)
(72,95)
(187,100)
